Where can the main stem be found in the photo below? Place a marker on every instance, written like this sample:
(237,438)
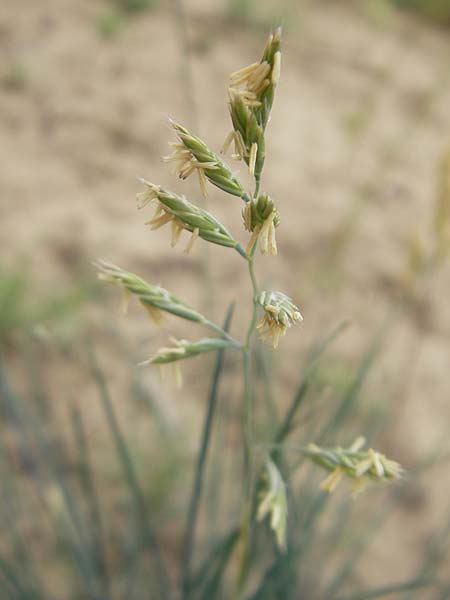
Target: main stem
(247,370)
(248,427)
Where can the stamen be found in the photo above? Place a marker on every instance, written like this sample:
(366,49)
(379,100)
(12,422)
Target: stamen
(252,158)
(227,142)
(276,69)
(191,242)
(202,182)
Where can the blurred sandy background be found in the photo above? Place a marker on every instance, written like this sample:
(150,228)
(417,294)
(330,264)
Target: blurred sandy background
(360,125)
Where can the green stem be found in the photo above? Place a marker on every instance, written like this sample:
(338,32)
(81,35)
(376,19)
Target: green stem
(248,427)
(222,333)
(241,251)
(251,269)
(257,184)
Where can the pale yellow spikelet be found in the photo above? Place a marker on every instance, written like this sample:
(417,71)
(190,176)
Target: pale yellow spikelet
(280,313)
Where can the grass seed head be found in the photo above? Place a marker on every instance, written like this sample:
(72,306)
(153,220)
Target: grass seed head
(362,466)
(280,313)
(256,83)
(182,349)
(261,217)
(192,154)
(274,502)
(248,134)
(155,299)
(181,214)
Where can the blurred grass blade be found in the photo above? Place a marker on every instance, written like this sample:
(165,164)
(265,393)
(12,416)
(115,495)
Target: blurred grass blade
(414,584)
(33,438)
(90,493)
(303,387)
(344,571)
(144,525)
(12,577)
(351,396)
(205,583)
(192,514)
(263,373)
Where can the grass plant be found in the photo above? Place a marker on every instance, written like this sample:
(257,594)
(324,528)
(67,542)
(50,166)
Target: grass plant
(251,95)
(87,512)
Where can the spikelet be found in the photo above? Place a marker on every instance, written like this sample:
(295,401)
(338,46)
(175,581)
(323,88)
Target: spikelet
(155,299)
(251,92)
(182,349)
(191,154)
(280,313)
(261,217)
(362,466)
(256,83)
(248,134)
(274,502)
(181,214)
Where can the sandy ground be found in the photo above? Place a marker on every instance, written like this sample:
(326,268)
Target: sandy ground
(360,122)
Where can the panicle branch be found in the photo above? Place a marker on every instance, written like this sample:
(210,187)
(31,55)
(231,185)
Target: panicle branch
(362,466)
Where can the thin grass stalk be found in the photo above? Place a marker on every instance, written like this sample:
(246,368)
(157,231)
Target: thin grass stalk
(435,553)
(206,581)
(142,513)
(344,570)
(14,502)
(388,590)
(80,549)
(132,568)
(263,373)
(21,549)
(13,579)
(283,429)
(248,431)
(25,423)
(192,514)
(351,396)
(90,492)
(303,387)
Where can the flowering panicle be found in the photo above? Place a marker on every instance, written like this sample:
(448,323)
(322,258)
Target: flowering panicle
(192,154)
(362,466)
(261,217)
(280,313)
(256,83)
(274,502)
(251,92)
(154,298)
(182,214)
